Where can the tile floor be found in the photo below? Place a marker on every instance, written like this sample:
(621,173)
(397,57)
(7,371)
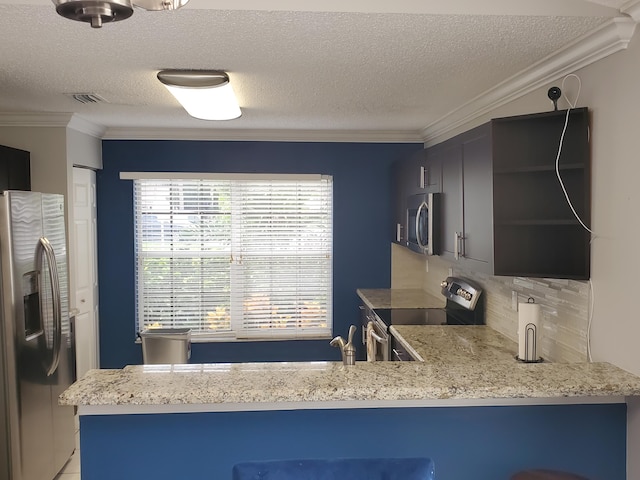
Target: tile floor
(71,470)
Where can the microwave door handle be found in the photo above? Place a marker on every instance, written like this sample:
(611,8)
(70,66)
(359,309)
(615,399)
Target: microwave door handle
(44,247)
(418,214)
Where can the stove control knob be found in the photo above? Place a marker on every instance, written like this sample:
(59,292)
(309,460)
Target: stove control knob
(464,294)
(444,284)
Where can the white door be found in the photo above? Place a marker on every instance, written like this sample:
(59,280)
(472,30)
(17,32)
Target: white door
(83,262)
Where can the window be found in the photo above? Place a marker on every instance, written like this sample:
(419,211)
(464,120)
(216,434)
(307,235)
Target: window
(234,256)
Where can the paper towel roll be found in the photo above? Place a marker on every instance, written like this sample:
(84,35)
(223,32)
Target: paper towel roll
(528,331)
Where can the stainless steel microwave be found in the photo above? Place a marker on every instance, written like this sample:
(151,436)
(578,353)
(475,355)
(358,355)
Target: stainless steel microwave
(423,223)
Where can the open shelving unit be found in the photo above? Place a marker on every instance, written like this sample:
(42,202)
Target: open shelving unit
(535,231)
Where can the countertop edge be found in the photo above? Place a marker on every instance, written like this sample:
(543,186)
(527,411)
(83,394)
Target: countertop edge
(376,298)
(88,410)
(318,385)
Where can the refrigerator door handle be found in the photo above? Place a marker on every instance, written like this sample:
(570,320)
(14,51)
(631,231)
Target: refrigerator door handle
(44,247)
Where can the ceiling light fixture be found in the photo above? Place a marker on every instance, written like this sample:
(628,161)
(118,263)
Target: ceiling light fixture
(97,12)
(94,12)
(204,94)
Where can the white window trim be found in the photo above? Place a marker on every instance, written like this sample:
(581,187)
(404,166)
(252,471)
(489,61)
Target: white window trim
(323,333)
(284,177)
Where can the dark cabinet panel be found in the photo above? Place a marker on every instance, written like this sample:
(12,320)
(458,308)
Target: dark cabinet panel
(433,175)
(467,198)
(450,155)
(399,198)
(415,173)
(477,206)
(15,172)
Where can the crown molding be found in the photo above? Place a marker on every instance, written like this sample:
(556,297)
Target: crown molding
(632,8)
(51,120)
(356,136)
(609,38)
(30,119)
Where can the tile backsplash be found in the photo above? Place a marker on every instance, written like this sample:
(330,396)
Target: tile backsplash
(564,303)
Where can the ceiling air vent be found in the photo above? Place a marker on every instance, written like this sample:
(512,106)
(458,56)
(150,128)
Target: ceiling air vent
(87,98)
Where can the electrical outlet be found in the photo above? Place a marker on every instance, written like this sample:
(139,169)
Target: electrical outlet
(514,300)
(450,272)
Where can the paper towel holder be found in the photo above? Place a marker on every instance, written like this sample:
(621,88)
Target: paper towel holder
(531,342)
(538,360)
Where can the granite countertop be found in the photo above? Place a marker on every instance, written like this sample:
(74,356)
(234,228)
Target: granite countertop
(399,298)
(456,344)
(463,366)
(331,384)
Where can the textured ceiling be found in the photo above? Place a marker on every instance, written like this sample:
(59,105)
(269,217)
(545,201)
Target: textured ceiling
(290,69)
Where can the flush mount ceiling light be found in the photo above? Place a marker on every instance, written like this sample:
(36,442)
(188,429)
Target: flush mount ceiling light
(97,12)
(204,94)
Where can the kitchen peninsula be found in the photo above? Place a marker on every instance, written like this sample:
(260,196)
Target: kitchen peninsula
(476,420)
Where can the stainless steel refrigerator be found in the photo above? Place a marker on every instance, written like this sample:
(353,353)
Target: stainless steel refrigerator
(36,342)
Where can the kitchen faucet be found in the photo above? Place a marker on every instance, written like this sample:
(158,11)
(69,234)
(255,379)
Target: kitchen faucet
(348,349)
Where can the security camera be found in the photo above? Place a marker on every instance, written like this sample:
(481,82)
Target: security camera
(554,94)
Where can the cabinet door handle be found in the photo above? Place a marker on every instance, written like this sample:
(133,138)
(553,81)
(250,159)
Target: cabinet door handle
(398,232)
(458,247)
(423,181)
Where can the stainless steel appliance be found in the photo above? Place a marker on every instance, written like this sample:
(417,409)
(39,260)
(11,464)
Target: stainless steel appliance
(37,436)
(423,223)
(464,306)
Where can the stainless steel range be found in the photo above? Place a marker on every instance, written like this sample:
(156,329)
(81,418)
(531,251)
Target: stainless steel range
(464,306)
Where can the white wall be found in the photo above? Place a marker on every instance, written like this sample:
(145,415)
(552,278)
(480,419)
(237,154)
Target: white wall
(48,147)
(54,151)
(83,150)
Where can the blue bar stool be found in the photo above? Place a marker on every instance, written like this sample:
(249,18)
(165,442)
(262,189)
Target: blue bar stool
(546,475)
(338,469)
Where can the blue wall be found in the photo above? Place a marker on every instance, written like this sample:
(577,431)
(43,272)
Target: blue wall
(479,443)
(362,209)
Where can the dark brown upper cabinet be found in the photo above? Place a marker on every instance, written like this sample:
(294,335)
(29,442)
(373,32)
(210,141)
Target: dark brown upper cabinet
(15,171)
(504,211)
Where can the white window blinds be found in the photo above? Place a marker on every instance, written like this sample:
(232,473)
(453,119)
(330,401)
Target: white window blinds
(245,257)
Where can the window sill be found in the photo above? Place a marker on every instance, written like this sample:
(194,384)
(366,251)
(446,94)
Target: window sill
(256,339)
